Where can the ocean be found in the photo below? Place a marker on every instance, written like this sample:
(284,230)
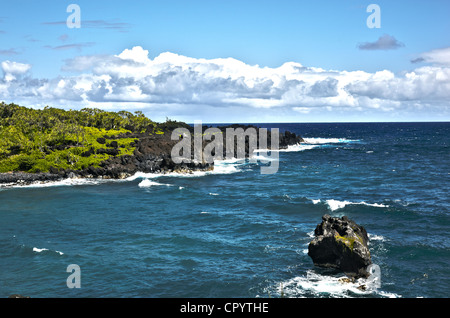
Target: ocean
(235,232)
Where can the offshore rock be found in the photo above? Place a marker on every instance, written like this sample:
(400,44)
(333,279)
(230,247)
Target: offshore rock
(342,244)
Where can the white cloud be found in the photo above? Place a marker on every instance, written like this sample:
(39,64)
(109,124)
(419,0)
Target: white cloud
(175,82)
(12,69)
(437,57)
(137,54)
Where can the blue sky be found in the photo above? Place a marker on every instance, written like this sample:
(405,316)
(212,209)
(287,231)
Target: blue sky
(325,35)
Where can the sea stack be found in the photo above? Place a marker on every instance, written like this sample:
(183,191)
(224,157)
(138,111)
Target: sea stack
(342,244)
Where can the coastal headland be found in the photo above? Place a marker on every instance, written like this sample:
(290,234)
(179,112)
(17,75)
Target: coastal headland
(50,144)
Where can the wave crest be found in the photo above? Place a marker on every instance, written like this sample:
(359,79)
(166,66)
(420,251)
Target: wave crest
(321,141)
(334,205)
(317,285)
(40,250)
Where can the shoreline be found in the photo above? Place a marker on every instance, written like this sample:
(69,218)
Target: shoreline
(152,155)
(19,178)
(54,144)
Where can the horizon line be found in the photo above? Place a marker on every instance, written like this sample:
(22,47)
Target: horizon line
(326,122)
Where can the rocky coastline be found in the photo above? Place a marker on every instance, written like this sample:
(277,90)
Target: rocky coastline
(152,154)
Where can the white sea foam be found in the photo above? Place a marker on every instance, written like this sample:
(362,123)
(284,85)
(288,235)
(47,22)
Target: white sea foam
(228,166)
(311,143)
(374,237)
(40,250)
(299,147)
(59,183)
(264,158)
(146,183)
(334,205)
(321,141)
(211,193)
(376,205)
(315,142)
(324,285)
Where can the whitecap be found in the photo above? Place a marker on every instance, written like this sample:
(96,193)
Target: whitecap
(211,193)
(311,143)
(40,250)
(374,237)
(139,175)
(263,158)
(320,141)
(298,147)
(336,204)
(146,183)
(376,205)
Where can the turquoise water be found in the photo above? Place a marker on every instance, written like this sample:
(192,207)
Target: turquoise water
(236,232)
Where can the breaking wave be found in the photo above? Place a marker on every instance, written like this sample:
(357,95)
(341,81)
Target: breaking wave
(334,205)
(40,250)
(321,141)
(317,285)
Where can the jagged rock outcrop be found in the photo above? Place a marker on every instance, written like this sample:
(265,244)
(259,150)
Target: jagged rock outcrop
(286,138)
(342,244)
(26,178)
(151,155)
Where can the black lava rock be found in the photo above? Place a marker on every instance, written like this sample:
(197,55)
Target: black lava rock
(341,243)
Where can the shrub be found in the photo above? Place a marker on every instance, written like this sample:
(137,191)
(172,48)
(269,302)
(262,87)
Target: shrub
(26,163)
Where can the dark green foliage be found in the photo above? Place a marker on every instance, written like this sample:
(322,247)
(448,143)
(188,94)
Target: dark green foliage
(26,163)
(170,125)
(35,140)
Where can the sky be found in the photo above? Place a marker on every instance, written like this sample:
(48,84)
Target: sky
(231,61)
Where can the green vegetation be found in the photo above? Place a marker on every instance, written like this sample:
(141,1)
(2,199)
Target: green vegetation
(33,140)
(348,241)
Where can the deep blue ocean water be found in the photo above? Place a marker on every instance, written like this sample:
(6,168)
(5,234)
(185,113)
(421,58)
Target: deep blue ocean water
(236,232)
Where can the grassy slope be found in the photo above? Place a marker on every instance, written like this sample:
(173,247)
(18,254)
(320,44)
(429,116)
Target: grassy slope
(29,143)
(70,158)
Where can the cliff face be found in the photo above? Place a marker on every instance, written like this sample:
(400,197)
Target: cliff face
(152,154)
